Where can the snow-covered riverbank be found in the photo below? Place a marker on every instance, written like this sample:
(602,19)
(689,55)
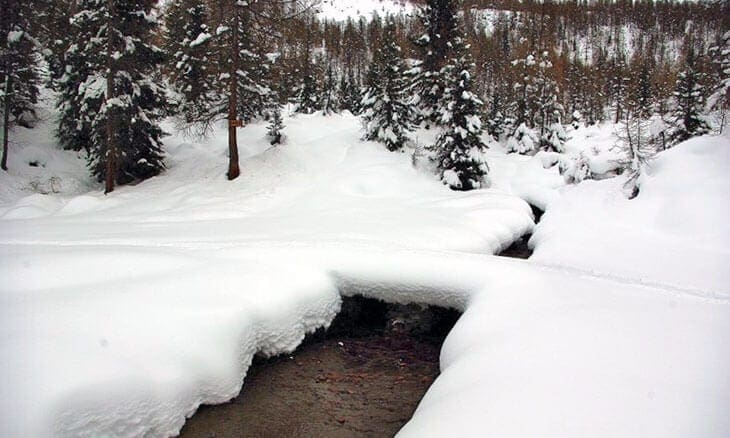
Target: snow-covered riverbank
(121,314)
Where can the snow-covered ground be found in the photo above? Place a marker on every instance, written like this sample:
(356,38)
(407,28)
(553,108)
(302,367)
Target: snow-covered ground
(341,10)
(120,314)
(674,234)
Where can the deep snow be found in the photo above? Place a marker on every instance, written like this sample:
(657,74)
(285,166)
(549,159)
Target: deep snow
(120,314)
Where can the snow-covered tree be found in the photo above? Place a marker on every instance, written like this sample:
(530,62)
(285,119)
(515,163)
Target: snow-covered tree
(719,100)
(386,110)
(554,136)
(119,100)
(495,118)
(523,140)
(80,86)
(19,76)
(575,170)
(330,99)
(619,83)
(637,148)
(439,19)
(189,45)
(689,95)
(542,94)
(350,93)
(308,92)
(459,147)
(642,94)
(276,124)
(536,107)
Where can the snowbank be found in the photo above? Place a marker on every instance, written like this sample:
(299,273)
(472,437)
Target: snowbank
(341,10)
(675,233)
(121,314)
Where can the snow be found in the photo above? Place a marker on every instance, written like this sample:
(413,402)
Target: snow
(674,233)
(187,275)
(200,39)
(121,314)
(341,10)
(15,35)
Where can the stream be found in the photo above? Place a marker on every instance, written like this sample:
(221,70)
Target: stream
(363,377)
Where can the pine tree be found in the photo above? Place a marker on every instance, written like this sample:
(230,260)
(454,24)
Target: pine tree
(688,93)
(350,93)
(80,88)
(120,100)
(719,100)
(525,106)
(495,119)
(386,111)
(19,76)
(459,148)
(330,99)
(523,140)
(308,93)
(276,124)
(439,20)
(189,44)
(52,28)
(642,95)
(548,111)
(619,84)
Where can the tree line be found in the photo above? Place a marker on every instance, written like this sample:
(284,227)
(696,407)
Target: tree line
(519,70)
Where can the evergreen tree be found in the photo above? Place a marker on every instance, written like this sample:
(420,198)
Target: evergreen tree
(189,44)
(114,40)
(330,100)
(548,111)
(276,124)
(350,93)
(440,23)
(495,119)
(688,93)
(19,76)
(307,100)
(523,140)
(53,29)
(386,111)
(525,106)
(80,87)
(619,84)
(719,100)
(459,148)
(642,95)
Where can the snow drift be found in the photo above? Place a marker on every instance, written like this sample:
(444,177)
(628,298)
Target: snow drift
(120,315)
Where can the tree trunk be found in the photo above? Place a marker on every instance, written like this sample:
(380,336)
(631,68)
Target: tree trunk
(6,122)
(111,150)
(233,170)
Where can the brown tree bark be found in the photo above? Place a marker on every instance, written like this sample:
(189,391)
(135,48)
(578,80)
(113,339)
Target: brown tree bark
(111,151)
(233,169)
(6,122)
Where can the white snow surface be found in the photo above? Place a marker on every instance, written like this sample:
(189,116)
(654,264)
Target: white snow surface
(121,314)
(341,10)
(675,233)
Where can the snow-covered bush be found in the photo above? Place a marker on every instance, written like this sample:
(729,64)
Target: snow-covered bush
(576,169)
(554,138)
(523,140)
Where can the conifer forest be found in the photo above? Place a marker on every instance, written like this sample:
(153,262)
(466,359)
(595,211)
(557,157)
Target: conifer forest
(416,217)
